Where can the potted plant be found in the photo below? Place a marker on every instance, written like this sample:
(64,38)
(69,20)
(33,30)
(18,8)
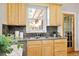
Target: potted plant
(5,45)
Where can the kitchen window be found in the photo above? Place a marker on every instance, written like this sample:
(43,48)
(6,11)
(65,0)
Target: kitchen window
(37,18)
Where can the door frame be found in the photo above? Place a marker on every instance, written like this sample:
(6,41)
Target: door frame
(74,16)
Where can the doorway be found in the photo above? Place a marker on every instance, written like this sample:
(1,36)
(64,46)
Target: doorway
(68,30)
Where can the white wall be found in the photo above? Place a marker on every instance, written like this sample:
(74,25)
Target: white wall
(77,32)
(2,15)
(73,8)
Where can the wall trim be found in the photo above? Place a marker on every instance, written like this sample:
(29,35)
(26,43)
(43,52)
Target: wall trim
(68,12)
(76,49)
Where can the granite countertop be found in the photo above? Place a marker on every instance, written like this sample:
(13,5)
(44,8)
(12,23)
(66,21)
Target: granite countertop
(41,38)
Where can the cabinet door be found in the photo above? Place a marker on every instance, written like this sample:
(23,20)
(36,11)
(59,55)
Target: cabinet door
(47,48)
(34,51)
(22,14)
(58,14)
(53,20)
(46,51)
(34,48)
(55,14)
(13,13)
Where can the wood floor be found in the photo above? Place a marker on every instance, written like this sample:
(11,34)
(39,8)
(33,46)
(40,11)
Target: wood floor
(73,53)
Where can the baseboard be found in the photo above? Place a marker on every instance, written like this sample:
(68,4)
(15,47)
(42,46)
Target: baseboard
(76,49)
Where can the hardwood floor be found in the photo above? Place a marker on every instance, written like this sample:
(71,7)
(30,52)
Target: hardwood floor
(73,53)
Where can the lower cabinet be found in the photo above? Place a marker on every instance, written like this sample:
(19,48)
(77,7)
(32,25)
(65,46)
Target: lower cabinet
(47,48)
(34,48)
(60,47)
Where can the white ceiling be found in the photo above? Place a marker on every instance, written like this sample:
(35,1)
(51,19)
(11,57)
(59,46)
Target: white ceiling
(70,7)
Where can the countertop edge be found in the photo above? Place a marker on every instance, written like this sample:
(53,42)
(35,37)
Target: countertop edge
(24,40)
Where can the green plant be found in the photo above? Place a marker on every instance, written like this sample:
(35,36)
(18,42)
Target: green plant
(5,45)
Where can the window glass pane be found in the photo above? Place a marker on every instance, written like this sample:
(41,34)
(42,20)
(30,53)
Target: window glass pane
(37,17)
(68,29)
(31,12)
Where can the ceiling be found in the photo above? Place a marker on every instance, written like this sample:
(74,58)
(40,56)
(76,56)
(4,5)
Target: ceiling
(70,7)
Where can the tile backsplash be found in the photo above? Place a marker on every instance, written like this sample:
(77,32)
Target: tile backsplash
(51,30)
(16,28)
(11,29)
(35,34)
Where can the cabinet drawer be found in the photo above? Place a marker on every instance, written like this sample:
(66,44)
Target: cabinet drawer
(57,45)
(60,45)
(60,40)
(61,53)
(35,43)
(47,43)
(60,48)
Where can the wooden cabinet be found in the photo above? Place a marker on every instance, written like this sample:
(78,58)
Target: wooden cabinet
(16,14)
(53,21)
(34,51)
(47,48)
(12,11)
(60,47)
(55,14)
(22,14)
(52,47)
(59,15)
(34,48)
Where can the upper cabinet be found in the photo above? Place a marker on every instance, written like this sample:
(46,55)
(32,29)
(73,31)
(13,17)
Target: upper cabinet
(16,14)
(22,14)
(55,14)
(12,13)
